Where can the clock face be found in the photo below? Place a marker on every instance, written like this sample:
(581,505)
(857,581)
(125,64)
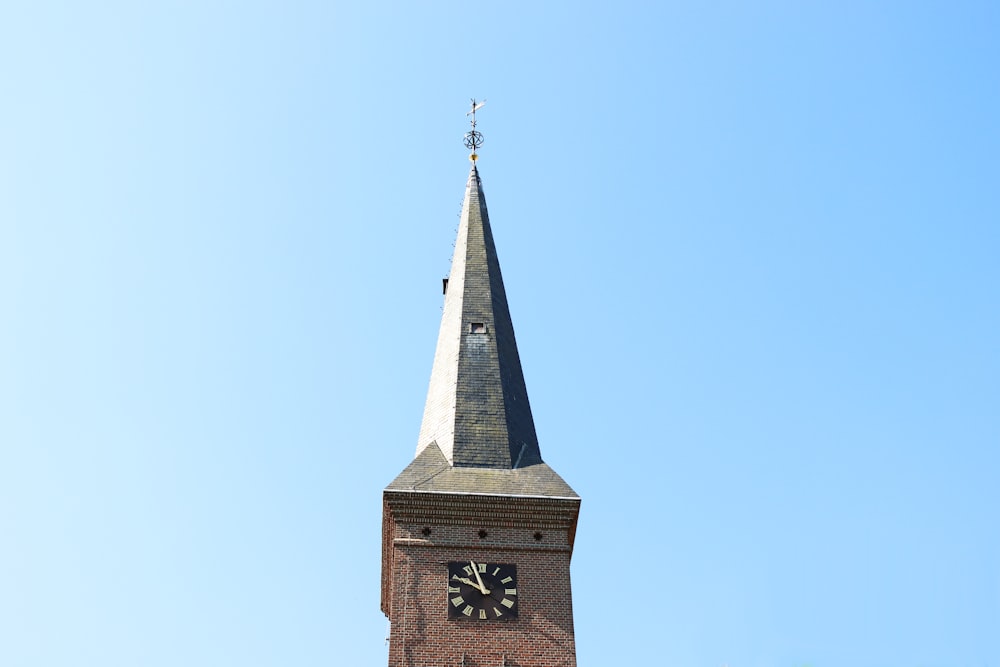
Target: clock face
(482,591)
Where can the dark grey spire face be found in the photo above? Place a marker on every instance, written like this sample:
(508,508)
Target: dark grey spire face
(477,405)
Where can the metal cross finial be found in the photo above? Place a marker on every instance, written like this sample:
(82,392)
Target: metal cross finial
(474,138)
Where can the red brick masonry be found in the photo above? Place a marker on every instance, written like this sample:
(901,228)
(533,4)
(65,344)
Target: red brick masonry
(415,567)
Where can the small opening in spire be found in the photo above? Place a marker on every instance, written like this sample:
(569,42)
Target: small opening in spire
(477,328)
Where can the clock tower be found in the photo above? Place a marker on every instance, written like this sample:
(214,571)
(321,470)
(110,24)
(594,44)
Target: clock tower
(477,531)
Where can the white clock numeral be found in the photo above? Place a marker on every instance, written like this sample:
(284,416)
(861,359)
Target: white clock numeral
(468,570)
(507,603)
(468,610)
(457,601)
(482,568)
(497,612)
(495,571)
(510,591)
(454,589)
(506,580)
(482,614)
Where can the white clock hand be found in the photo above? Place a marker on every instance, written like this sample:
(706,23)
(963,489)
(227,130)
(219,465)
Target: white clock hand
(475,570)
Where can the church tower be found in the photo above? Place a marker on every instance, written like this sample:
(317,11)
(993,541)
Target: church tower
(477,531)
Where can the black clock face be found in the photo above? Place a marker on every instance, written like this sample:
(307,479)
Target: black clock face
(482,591)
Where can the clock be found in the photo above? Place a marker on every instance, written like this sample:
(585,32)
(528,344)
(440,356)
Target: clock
(482,591)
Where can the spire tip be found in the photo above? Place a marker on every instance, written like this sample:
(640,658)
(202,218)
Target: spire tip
(474,138)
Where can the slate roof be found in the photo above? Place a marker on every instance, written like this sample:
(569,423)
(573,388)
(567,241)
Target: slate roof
(478,435)
(430,471)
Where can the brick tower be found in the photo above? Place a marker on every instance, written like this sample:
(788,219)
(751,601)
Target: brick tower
(477,531)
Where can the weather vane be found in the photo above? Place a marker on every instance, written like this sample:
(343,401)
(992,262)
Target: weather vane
(474,138)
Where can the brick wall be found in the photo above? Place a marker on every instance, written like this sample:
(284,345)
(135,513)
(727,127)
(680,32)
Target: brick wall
(534,534)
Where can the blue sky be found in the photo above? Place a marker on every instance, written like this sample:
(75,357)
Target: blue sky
(751,256)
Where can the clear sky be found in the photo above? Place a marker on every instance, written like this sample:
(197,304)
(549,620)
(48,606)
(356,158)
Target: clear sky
(751,251)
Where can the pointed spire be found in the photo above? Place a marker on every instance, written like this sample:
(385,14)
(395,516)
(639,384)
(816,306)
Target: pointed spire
(478,435)
(477,407)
